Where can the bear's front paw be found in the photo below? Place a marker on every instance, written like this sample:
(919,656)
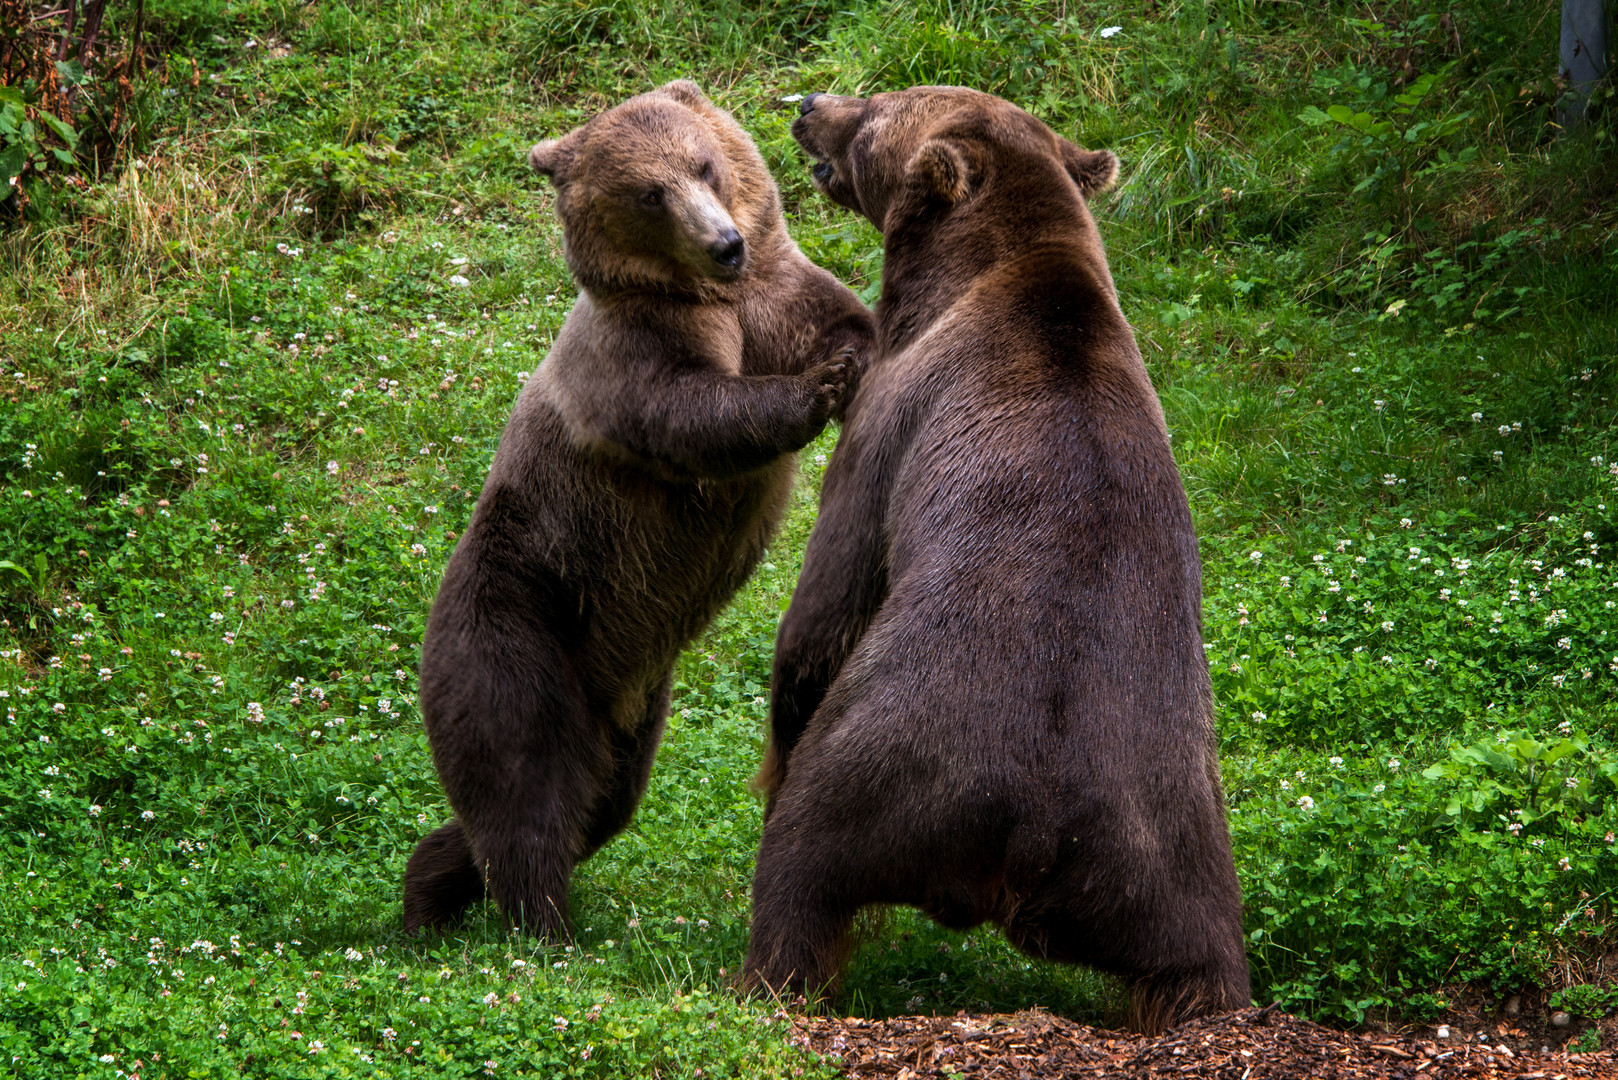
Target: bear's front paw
(833,383)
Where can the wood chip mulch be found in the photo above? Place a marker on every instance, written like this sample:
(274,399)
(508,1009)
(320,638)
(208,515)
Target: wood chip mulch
(1251,1044)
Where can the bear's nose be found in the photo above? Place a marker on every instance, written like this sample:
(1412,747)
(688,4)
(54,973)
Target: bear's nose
(807,104)
(727,251)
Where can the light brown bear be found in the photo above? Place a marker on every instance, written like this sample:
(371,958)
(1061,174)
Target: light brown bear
(641,475)
(990,695)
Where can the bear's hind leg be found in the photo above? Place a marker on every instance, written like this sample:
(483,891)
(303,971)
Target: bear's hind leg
(441,880)
(1178,946)
(1161,1001)
(803,910)
(528,841)
(521,758)
(1188,955)
(527,874)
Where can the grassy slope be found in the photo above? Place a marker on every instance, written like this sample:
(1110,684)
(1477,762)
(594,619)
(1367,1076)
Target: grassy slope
(236,456)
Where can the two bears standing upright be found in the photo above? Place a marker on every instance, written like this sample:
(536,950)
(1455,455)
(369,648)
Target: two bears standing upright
(989,696)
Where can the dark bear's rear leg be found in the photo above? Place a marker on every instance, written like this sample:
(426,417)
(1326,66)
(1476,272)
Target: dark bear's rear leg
(441,880)
(528,841)
(527,874)
(1177,943)
(520,757)
(801,917)
(1160,1002)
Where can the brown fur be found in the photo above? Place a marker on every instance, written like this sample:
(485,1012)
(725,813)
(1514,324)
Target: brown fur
(990,695)
(639,478)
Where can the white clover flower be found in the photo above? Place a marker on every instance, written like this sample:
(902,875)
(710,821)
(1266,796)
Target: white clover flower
(147,815)
(1255,555)
(1379,789)
(1260,716)
(491,999)
(1306,804)
(1335,762)
(1393,763)
(1514,828)
(1476,417)
(1109,31)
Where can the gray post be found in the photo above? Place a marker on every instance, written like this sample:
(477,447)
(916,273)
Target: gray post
(1584,55)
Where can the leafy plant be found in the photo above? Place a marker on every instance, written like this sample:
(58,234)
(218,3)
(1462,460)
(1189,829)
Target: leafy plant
(25,136)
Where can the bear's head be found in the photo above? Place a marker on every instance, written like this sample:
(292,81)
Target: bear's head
(665,191)
(935,146)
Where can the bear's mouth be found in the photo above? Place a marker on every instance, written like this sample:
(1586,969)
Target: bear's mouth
(822,171)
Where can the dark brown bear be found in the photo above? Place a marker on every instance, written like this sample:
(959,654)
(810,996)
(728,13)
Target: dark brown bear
(639,478)
(990,695)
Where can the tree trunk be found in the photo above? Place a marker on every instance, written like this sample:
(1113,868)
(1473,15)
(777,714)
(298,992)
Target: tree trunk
(1584,56)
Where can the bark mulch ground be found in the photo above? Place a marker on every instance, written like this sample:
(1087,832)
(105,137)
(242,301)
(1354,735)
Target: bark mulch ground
(1251,1044)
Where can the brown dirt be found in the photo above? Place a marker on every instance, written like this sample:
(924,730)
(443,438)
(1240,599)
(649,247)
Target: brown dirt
(1251,1044)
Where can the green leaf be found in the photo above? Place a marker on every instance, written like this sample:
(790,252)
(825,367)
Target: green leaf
(63,131)
(12,160)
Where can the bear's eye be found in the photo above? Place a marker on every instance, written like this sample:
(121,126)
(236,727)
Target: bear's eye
(706,173)
(652,198)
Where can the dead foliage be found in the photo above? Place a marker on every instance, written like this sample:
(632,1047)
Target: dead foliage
(1250,1044)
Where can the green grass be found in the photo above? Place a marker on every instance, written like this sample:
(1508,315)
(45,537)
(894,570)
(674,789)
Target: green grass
(243,412)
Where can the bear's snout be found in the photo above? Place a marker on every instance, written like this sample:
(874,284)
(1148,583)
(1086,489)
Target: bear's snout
(729,250)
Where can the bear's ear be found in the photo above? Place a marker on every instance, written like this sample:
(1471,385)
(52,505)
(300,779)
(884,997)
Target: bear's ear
(552,157)
(942,171)
(1094,171)
(684,91)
